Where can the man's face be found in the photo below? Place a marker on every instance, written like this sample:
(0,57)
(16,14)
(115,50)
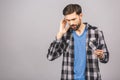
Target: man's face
(74,20)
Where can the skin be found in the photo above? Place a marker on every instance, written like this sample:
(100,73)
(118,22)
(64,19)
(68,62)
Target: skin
(74,20)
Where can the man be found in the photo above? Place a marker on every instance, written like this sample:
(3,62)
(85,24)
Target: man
(81,44)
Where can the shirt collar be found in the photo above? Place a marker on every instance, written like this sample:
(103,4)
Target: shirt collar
(86,25)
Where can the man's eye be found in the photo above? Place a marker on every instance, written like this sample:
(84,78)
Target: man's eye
(73,19)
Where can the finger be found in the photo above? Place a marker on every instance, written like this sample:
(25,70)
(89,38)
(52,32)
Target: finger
(66,29)
(63,23)
(98,52)
(98,55)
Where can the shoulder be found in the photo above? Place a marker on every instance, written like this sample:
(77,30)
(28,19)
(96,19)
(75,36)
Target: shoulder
(93,28)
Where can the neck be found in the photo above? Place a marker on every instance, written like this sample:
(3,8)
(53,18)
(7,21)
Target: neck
(81,29)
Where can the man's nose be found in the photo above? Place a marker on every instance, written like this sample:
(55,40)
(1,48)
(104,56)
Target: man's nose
(71,22)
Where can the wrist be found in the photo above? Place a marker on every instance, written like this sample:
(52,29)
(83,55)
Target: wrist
(59,35)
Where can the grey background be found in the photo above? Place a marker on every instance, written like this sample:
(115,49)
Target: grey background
(27,27)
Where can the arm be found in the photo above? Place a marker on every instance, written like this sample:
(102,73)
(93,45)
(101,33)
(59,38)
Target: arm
(102,46)
(56,49)
(57,46)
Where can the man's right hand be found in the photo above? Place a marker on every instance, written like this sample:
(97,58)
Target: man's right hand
(63,29)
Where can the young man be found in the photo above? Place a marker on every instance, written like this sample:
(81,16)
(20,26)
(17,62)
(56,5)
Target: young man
(81,44)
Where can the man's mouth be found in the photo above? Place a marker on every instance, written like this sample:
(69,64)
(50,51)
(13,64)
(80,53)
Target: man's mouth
(73,26)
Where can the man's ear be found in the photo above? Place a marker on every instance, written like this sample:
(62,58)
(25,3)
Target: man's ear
(80,15)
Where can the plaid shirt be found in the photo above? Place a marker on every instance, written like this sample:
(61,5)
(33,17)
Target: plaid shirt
(95,40)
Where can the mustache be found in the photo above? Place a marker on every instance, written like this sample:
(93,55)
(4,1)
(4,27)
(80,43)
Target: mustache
(73,25)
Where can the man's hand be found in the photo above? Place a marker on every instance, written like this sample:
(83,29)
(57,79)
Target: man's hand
(99,53)
(63,29)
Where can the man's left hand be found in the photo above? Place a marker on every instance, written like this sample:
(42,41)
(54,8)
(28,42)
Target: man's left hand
(99,53)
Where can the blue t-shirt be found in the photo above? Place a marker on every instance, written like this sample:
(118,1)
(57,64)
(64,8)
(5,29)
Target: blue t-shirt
(79,55)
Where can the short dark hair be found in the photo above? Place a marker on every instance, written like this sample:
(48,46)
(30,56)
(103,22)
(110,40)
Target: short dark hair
(70,8)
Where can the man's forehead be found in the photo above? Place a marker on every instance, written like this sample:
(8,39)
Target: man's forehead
(70,17)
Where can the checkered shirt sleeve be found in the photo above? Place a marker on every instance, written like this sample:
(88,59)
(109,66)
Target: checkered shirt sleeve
(56,49)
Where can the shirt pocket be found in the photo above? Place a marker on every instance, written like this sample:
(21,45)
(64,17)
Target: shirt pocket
(93,43)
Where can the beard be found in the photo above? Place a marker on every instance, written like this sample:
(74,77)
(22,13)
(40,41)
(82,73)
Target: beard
(75,27)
